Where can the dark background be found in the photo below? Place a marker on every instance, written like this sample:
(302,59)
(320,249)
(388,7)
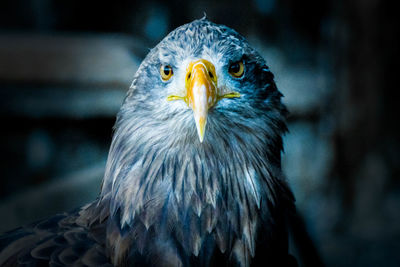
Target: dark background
(65,67)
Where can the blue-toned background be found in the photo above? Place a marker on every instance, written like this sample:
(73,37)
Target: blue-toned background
(65,67)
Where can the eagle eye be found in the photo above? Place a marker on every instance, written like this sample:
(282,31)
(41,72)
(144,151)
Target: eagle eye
(166,72)
(236,69)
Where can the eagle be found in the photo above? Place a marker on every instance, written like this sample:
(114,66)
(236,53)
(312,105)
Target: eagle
(193,176)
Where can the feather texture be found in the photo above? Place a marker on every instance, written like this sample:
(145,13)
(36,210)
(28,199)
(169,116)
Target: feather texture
(167,199)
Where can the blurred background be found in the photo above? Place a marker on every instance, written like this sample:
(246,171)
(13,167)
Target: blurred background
(65,67)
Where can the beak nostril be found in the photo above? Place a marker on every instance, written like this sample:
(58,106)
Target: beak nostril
(210,74)
(189,75)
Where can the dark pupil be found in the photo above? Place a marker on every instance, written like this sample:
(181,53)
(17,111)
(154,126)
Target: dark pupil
(235,67)
(167,70)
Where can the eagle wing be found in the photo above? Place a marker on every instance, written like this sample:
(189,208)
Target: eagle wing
(62,240)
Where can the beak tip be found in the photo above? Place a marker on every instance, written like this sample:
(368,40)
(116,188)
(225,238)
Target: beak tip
(201,135)
(201,138)
(201,126)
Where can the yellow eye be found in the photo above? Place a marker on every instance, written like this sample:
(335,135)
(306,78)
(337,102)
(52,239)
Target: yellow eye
(236,69)
(166,72)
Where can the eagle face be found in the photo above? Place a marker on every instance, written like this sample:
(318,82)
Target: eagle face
(194,164)
(199,76)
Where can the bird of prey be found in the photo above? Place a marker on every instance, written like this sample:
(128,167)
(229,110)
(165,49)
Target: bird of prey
(193,176)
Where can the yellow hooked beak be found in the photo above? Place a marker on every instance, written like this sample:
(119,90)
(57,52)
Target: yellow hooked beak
(202,92)
(201,84)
